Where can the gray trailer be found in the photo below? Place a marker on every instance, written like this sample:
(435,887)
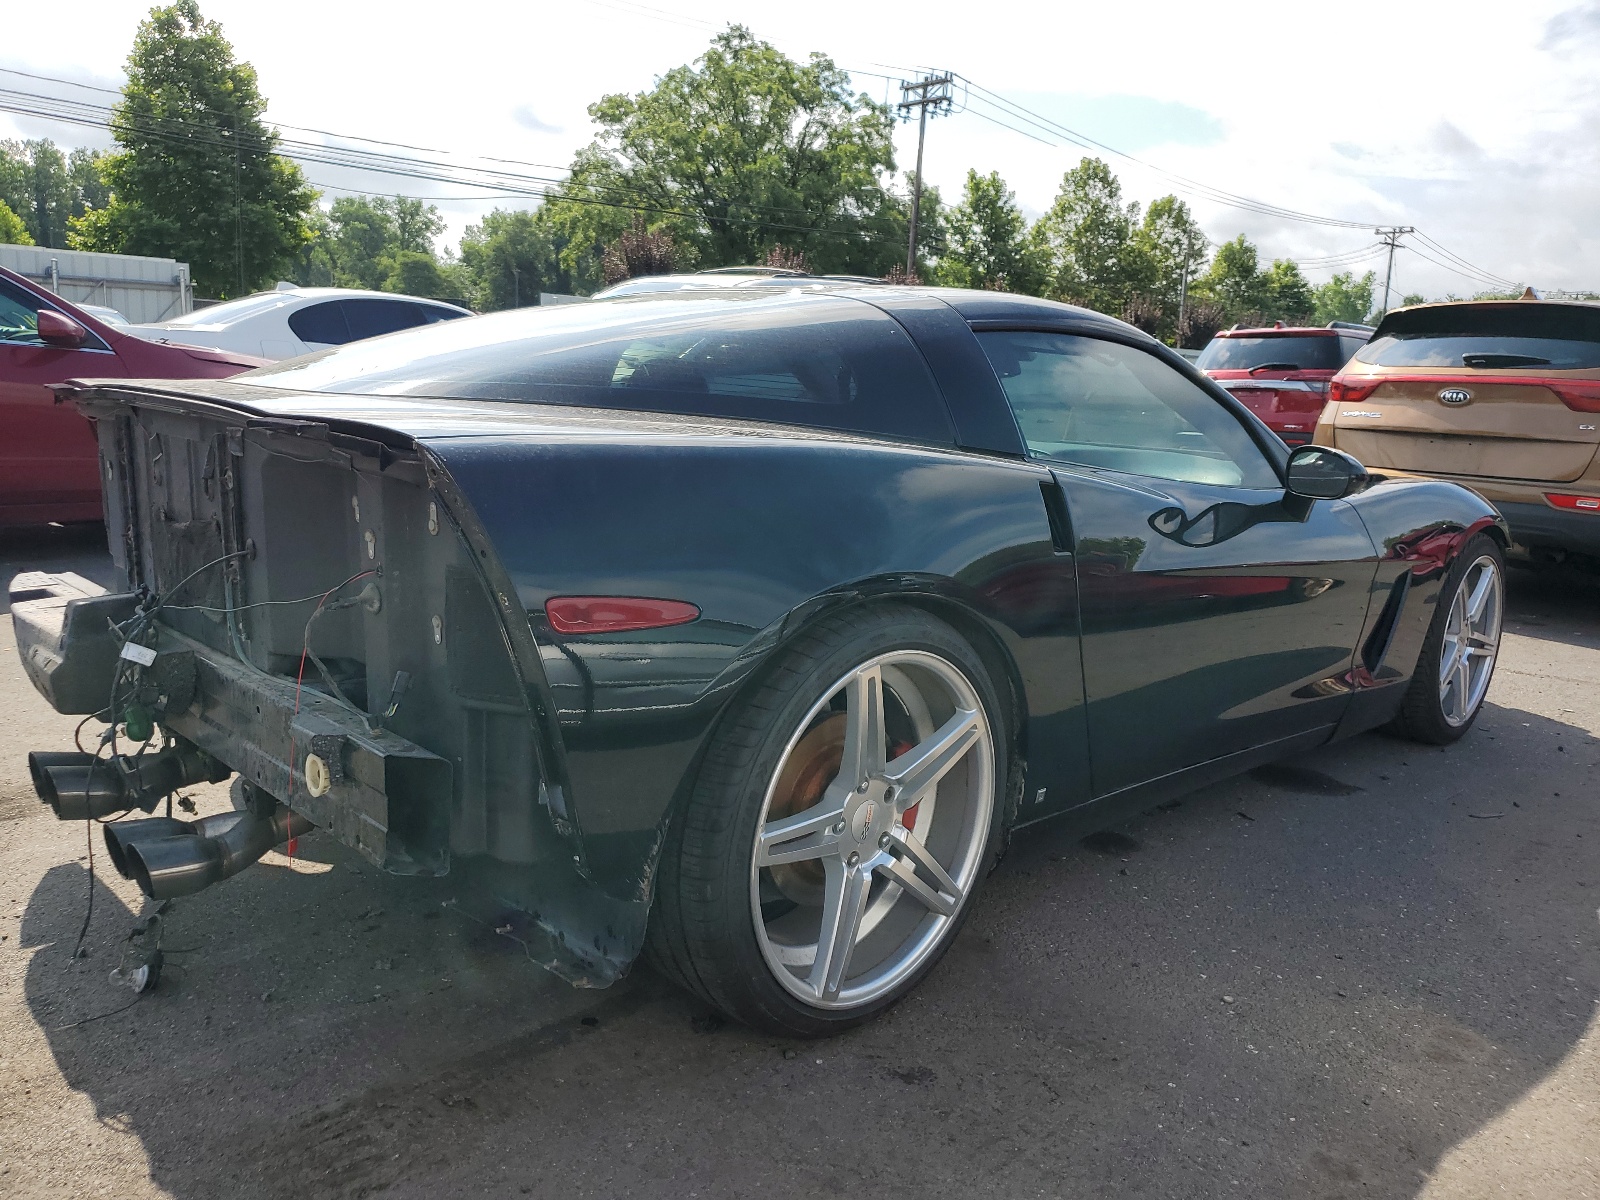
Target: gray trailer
(141,289)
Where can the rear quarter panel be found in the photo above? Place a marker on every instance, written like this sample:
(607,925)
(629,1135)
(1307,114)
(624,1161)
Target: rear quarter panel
(762,535)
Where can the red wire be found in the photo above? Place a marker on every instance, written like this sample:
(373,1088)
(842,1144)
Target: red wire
(299,678)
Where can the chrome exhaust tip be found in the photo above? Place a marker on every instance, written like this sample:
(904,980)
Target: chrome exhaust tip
(207,851)
(121,835)
(40,764)
(79,786)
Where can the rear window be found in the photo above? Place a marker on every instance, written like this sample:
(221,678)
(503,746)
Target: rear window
(1527,333)
(321,324)
(1314,352)
(822,361)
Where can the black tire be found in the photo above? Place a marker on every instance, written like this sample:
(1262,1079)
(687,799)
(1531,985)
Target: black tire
(702,930)
(1422,716)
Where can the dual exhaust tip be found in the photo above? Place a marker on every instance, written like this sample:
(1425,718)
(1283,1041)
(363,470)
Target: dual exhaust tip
(169,858)
(165,857)
(81,786)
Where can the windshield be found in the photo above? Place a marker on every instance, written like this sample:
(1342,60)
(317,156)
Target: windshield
(233,310)
(763,354)
(1489,337)
(1284,352)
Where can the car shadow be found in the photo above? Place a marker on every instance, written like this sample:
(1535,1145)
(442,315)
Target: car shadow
(1314,981)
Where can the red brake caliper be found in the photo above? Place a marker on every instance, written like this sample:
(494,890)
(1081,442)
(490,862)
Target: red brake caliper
(909,820)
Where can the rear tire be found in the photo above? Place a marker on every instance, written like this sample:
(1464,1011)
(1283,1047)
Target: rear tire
(1457,661)
(845,813)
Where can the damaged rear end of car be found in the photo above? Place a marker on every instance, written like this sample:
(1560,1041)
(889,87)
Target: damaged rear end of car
(309,605)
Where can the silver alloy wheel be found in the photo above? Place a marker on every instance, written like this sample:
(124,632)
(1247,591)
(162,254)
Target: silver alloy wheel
(1471,641)
(893,845)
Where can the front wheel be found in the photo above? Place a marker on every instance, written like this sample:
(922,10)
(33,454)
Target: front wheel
(1457,661)
(844,816)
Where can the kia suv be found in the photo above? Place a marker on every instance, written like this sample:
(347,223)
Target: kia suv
(1503,396)
(1281,373)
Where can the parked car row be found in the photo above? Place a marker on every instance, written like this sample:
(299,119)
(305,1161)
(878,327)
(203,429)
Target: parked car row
(48,462)
(1503,396)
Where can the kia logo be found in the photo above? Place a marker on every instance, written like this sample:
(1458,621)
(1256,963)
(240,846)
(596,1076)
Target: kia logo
(1455,396)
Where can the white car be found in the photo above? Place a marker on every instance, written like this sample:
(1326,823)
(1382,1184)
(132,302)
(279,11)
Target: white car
(291,321)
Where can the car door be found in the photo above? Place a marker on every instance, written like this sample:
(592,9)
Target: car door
(1218,614)
(49,460)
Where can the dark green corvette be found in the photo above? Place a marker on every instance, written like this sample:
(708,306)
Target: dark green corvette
(737,627)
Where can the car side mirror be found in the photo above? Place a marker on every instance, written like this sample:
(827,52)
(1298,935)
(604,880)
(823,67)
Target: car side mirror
(1323,473)
(58,329)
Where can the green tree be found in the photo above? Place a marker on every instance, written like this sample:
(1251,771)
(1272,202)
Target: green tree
(416,224)
(13,231)
(1234,281)
(47,188)
(361,243)
(420,274)
(512,256)
(1345,298)
(362,239)
(1086,241)
(196,177)
(1411,298)
(1174,243)
(1287,294)
(986,240)
(1174,249)
(738,152)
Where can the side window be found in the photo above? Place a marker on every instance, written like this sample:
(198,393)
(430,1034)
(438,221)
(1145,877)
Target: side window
(434,313)
(371,318)
(321,323)
(1102,404)
(19,316)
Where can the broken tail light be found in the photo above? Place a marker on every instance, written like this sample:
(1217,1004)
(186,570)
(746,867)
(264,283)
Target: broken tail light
(615,614)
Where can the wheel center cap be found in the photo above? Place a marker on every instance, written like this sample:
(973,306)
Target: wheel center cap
(861,820)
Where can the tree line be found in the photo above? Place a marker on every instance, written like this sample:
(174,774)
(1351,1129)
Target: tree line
(745,156)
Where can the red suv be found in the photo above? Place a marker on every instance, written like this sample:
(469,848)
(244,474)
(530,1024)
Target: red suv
(1281,374)
(49,459)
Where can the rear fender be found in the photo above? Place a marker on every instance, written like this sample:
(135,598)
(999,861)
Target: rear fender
(764,536)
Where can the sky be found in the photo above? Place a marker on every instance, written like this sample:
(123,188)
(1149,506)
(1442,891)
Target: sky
(1476,123)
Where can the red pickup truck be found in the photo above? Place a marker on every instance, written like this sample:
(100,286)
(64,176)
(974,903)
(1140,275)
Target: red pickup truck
(49,463)
(1281,372)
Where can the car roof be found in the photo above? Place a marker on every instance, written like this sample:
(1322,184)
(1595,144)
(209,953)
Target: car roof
(1281,330)
(336,293)
(1513,303)
(999,307)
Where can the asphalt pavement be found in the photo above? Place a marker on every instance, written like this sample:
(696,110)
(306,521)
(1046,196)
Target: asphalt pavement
(1372,971)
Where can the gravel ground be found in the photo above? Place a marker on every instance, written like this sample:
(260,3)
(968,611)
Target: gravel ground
(1369,972)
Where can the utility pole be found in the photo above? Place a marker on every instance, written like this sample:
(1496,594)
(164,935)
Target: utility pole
(238,209)
(931,91)
(1390,237)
